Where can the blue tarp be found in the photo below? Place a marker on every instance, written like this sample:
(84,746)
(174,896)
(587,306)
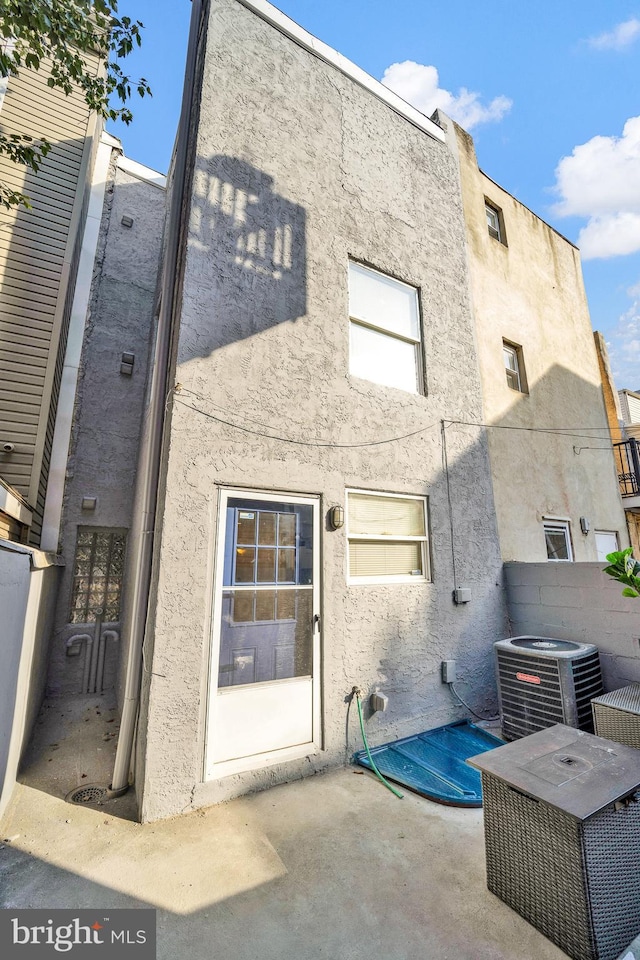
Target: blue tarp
(433,763)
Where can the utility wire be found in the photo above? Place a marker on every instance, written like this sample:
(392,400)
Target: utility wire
(479,716)
(303,443)
(556,431)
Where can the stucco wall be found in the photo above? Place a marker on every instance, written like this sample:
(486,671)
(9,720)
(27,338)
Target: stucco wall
(28,582)
(529,291)
(108,409)
(577,601)
(285,139)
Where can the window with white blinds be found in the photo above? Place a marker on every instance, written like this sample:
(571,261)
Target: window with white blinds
(387,537)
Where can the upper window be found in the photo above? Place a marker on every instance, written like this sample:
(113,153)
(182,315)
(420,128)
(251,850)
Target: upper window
(387,537)
(97,575)
(514,366)
(384,329)
(558,540)
(493,221)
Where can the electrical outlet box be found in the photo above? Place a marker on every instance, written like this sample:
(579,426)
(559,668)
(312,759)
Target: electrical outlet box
(448,671)
(378,701)
(462,595)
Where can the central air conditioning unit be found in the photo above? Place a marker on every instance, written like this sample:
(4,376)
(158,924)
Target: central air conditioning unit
(542,681)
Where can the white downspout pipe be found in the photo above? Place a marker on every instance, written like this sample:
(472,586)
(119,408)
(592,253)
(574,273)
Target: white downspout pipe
(147,476)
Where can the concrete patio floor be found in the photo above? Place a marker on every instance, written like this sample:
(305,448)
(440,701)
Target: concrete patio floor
(330,867)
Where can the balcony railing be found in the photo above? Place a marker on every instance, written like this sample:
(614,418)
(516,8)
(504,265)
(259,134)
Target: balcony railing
(627,458)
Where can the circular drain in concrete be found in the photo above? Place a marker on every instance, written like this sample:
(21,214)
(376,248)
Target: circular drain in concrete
(90,793)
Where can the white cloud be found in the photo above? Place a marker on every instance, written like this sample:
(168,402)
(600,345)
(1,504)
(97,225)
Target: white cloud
(624,346)
(610,236)
(418,84)
(601,181)
(622,35)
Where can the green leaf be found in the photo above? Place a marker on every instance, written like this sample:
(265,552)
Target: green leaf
(62,33)
(630,592)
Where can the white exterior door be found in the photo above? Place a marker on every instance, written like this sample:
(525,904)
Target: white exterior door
(606,542)
(264,702)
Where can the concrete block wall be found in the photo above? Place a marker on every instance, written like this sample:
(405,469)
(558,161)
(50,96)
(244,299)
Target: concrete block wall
(577,601)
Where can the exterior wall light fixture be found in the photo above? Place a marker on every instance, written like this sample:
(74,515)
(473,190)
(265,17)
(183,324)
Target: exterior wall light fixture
(584,525)
(336,517)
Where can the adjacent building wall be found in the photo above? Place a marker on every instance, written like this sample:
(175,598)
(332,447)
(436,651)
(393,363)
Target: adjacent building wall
(28,584)
(611,398)
(577,602)
(286,140)
(39,250)
(617,404)
(549,444)
(109,402)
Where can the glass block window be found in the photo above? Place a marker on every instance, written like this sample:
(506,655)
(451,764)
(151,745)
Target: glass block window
(97,575)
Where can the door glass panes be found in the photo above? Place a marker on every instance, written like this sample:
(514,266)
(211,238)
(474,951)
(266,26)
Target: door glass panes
(245,564)
(246,526)
(267,600)
(287,530)
(286,565)
(266,565)
(268,548)
(267,527)
(263,625)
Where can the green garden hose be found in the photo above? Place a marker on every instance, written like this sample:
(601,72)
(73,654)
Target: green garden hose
(366,746)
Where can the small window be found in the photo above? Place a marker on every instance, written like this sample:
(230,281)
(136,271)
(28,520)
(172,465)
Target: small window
(495,225)
(387,536)
(514,366)
(558,540)
(606,542)
(384,329)
(97,575)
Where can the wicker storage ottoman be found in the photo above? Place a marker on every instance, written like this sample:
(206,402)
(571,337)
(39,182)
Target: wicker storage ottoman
(616,715)
(562,836)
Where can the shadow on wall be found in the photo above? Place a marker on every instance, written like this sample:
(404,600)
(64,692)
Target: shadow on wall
(552,456)
(258,240)
(544,461)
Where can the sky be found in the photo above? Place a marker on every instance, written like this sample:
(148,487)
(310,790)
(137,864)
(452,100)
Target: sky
(550,92)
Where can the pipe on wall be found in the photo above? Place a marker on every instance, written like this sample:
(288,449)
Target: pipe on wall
(148,472)
(106,635)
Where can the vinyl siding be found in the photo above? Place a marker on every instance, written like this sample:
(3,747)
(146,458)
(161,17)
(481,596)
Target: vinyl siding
(38,260)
